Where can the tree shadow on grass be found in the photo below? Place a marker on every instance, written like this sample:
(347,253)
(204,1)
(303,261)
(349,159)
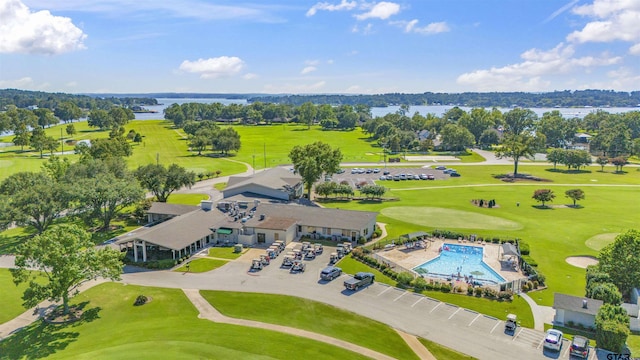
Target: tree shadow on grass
(573,171)
(9,244)
(542,207)
(36,341)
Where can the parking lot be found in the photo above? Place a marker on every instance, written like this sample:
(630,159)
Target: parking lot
(415,306)
(371,176)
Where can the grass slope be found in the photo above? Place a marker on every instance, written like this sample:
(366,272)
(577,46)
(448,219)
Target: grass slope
(165,328)
(202,265)
(11,299)
(312,316)
(443,353)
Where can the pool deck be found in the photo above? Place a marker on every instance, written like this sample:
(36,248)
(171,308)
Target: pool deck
(410,258)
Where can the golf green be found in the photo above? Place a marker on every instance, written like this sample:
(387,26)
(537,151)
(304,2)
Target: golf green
(599,241)
(448,218)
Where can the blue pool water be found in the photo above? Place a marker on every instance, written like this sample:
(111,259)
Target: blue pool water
(462,259)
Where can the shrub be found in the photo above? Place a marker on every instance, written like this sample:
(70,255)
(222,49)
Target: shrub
(477,291)
(529,260)
(140,300)
(469,291)
(536,284)
(445,288)
(489,293)
(419,284)
(524,248)
(525,287)
(505,295)
(435,286)
(404,279)
(457,289)
(362,240)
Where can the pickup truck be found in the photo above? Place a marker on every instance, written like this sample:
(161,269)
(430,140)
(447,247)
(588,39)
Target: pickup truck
(359,280)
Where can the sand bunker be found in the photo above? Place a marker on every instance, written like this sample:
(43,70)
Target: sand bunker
(581,261)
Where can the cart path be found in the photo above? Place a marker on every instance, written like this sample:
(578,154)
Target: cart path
(541,314)
(415,345)
(207,311)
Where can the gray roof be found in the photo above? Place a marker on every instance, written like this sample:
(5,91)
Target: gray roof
(276,178)
(574,303)
(314,216)
(181,231)
(509,249)
(170,209)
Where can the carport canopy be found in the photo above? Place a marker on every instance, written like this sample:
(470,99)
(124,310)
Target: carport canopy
(509,249)
(414,235)
(224,231)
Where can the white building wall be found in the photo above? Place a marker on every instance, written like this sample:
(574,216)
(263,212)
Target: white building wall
(247,239)
(579,318)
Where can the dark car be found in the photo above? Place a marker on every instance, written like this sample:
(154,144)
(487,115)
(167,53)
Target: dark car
(386,172)
(579,347)
(454,174)
(330,272)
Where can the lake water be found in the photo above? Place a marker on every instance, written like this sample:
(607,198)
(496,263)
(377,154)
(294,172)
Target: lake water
(437,110)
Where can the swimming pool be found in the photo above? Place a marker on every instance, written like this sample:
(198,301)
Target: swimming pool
(457,259)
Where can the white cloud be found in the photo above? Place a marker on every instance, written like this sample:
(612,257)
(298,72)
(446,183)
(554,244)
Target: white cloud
(344,5)
(330,61)
(613,20)
(382,10)
(249,76)
(560,11)
(411,27)
(635,49)
(308,69)
(27,32)
(21,83)
(212,68)
(528,74)
(312,62)
(366,30)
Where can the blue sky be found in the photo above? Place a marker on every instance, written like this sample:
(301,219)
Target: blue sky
(334,46)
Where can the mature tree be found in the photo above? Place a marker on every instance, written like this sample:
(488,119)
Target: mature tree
(68,111)
(34,199)
(5,213)
(199,143)
(619,162)
(100,119)
(489,137)
(543,195)
(120,116)
(71,130)
(574,159)
(174,113)
(22,136)
(519,121)
(45,117)
(313,160)
(607,292)
(102,189)
(602,161)
(326,188)
(226,140)
(108,148)
(56,167)
(621,261)
(478,121)
(65,256)
(307,113)
(612,327)
(347,117)
(555,156)
(519,146)
(557,130)
(575,195)
(454,114)
(456,137)
(163,181)
(5,122)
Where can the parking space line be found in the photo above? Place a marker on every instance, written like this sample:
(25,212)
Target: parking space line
(566,349)
(435,307)
(495,326)
(541,342)
(474,319)
(416,303)
(455,312)
(385,290)
(401,295)
(516,335)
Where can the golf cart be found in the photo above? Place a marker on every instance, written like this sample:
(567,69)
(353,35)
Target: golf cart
(298,266)
(264,259)
(271,253)
(317,248)
(511,323)
(310,255)
(347,247)
(297,254)
(256,265)
(287,261)
(333,258)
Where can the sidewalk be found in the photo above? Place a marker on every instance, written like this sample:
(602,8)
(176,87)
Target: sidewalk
(210,313)
(541,314)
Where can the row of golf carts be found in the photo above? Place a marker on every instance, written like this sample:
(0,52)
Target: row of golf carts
(293,259)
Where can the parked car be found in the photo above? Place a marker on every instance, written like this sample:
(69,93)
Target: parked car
(553,340)
(431,177)
(386,172)
(340,171)
(440,167)
(354,170)
(579,347)
(368,171)
(423,177)
(396,177)
(403,176)
(511,323)
(382,177)
(330,272)
(376,170)
(359,280)
(454,174)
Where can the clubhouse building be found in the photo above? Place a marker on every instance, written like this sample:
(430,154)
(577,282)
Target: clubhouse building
(255,211)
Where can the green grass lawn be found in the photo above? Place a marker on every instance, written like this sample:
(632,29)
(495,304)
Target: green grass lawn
(165,328)
(448,218)
(202,265)
(312,316)
(186,199)
(443,353)
(224,253)
(220,186)
(471,157)
(634,344)
(11,299)
(493,308)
